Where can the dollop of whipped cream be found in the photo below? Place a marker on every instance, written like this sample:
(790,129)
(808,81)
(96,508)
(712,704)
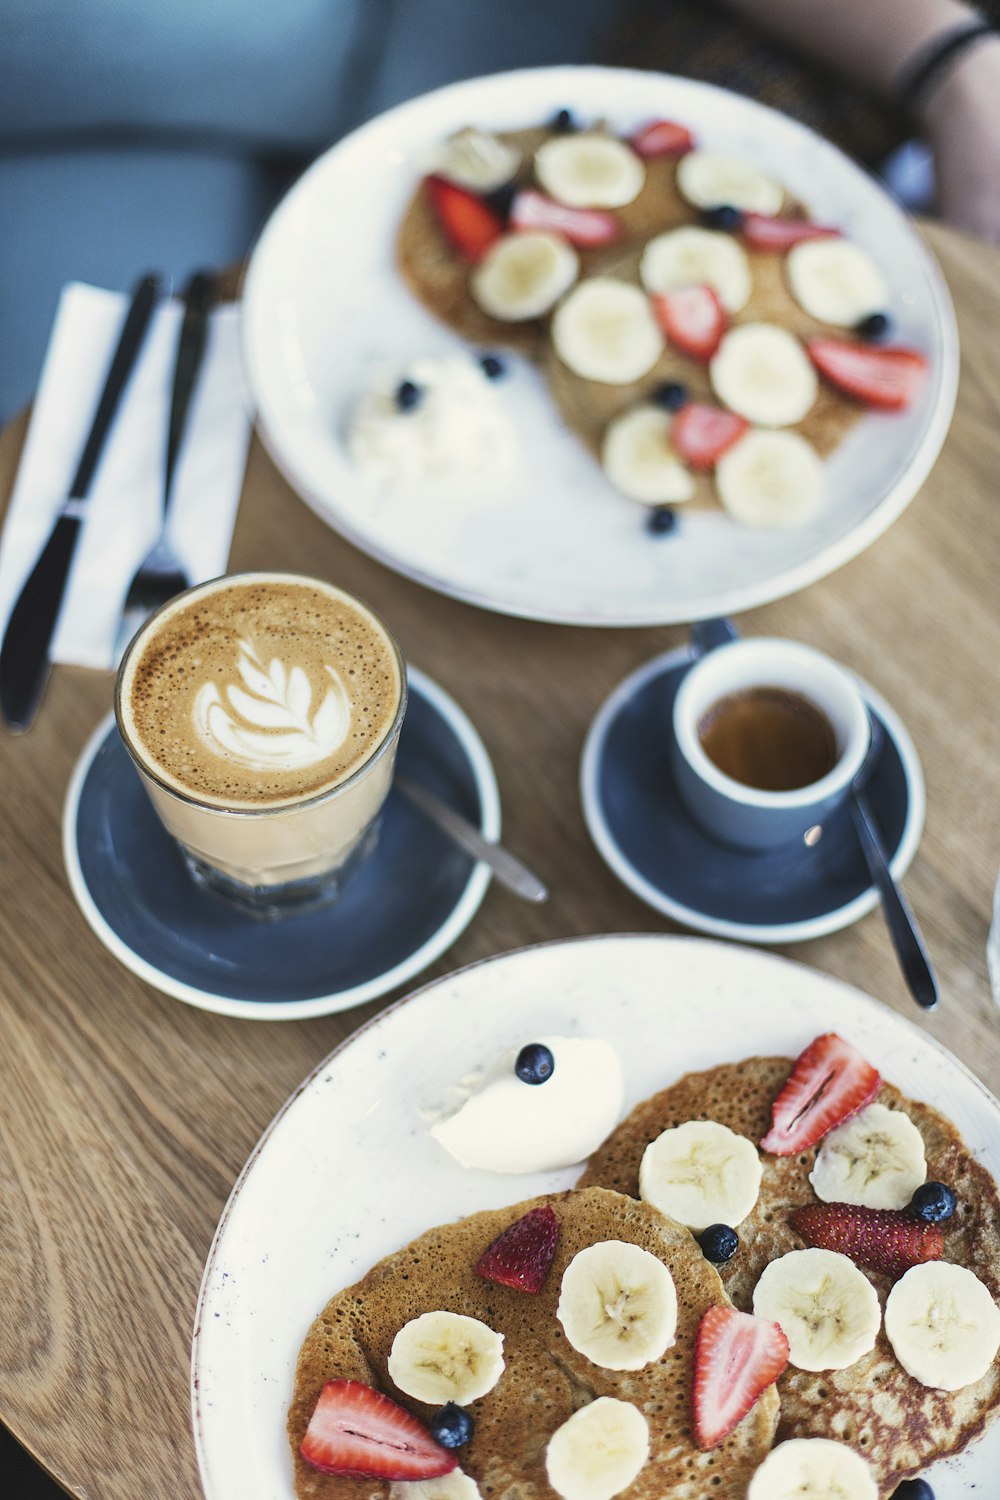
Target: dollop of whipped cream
(510,1126)
(456,428)
(270,722)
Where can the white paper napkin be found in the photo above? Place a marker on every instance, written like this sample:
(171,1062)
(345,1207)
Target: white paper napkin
(125,506)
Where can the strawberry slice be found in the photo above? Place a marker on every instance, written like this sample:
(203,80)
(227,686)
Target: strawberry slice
(521,1256)
(356,1430)
(469,224)
(701,434)
(878,1239)
(662,138)
(693,319)
(736,1357)
(830,1081)
(764,232)
(581,226)
(884,377)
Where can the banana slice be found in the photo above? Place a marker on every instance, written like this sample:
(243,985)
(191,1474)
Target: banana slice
(605,330)
(701,1173)
(445,1356)
(828,1309)
(618,1305)
(943,1325)
(876,1158)
(770,479)
(835,281)
(813,1469)
(639,460)
(453,1486)
(710,179)
(589,171)
(762,372)
(475,160)
(697,257)
(522,275)
(598,1451)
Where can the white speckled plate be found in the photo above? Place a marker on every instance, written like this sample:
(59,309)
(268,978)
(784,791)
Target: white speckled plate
(347,1172)
(324,306)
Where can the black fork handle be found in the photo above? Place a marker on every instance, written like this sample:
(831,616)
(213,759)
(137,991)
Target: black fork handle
(198,298)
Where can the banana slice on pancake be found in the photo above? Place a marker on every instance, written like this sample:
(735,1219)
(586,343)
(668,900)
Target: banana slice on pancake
(475,160)
(762,372)
(588,170)
(770,479)
(827,1309)
(598,1451)
(446,1356)
(813,1469)
(618,1305)
(701,1173)
(605,330)
(835,281)
(523,275)
(712,179)
(943,1325)
(453,1486)
(691,256)
(638,459)
(875,1159)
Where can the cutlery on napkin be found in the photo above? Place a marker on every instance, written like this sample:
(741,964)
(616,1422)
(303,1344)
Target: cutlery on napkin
(125,501)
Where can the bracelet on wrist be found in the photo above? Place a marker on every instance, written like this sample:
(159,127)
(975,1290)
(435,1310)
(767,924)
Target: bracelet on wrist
(928,66)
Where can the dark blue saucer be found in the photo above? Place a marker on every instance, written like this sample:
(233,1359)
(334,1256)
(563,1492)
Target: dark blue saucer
(649,839)
(402,908)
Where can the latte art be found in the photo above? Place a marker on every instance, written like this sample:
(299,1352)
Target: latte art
(269,722)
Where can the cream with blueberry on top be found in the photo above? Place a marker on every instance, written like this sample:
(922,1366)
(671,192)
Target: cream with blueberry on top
(700,331)
(543,1105)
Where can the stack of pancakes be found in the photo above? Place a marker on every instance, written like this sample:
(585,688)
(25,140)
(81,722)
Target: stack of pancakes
(898,1425)
(439,278)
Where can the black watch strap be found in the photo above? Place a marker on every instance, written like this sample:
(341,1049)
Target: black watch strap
(923,72)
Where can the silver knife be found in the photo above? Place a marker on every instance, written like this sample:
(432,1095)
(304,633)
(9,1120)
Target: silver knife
(24,655)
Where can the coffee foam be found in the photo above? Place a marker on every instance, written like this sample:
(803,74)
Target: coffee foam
(259,691)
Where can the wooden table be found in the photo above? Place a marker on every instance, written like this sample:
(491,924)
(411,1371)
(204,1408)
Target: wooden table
(125,1116)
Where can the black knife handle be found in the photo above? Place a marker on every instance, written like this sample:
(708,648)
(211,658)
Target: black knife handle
(198,298)
(130,341)
(24,659)
(903,930)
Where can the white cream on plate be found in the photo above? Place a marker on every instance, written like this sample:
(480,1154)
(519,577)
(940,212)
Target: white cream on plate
(455,428)
(507,1125)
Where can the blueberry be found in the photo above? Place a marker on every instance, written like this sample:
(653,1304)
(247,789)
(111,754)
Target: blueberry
(563,121)
(933,1202)
(501,200)
(492,367)
(407,395)
(670,396)
(452,1426)
(875,326)
(913,1489)
(661,521)
(718,1243)
(534,1064)
(724,217)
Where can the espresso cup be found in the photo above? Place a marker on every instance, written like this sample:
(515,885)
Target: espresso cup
(750,817)
(262,712)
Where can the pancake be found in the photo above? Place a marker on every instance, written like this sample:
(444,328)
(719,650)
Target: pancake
(545,1379)
(898,1425)
(439,279)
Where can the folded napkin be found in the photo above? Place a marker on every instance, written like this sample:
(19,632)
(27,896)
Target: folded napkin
(124,509)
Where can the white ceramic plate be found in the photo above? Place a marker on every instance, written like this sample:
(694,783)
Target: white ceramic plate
(324,306)
(347,1172)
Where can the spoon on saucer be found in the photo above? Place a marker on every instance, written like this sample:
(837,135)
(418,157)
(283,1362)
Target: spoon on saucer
(507,868)
(906,936)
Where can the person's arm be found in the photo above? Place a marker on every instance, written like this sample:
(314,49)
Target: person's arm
(875,43)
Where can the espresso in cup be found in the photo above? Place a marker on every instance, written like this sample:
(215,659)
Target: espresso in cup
(770,738)
(262,712)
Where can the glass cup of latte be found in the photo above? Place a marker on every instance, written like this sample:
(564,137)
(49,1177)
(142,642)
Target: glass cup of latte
(262,712)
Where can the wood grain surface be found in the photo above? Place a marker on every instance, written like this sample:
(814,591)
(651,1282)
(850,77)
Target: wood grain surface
(125,1116)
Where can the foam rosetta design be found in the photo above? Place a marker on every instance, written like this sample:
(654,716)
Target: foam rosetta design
(268,723)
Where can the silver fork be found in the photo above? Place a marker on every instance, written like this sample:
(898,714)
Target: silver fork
(160,575)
